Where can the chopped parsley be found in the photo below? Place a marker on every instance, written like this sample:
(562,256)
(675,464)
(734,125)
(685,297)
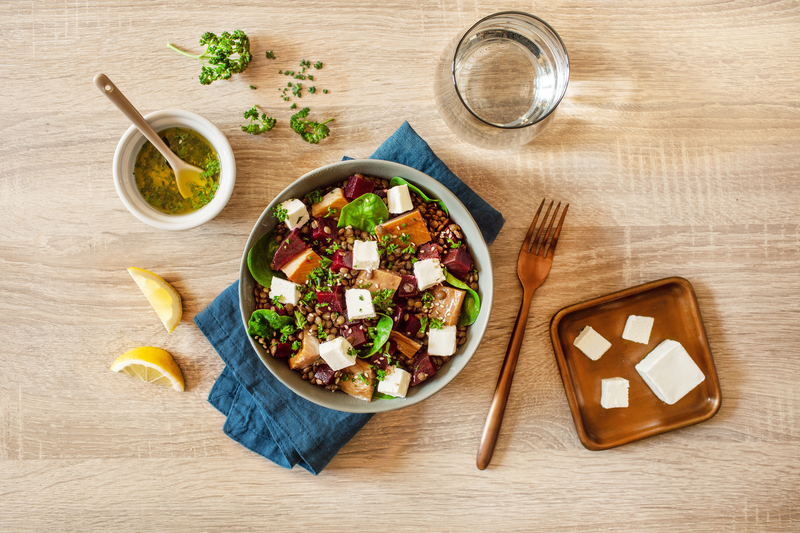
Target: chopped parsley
(331,212)
(423,323)
(280,213)
(436,323)
(427,299)
(296,345)
(363,378)
(314,196)
(299,319)
(382,300)
(270,55)
(321,332)
(381,374)
(276,301)
(404,238)
(453,244)
(318,65)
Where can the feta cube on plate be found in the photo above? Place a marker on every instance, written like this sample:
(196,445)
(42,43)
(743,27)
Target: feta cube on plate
(365,255)
(614,393)
(296,213)
(637,329)
(338,353)
(428,273)
(395,383)
(442,341)
(399,199)
(288,292)
(359,304)
(591,343)
(670,371)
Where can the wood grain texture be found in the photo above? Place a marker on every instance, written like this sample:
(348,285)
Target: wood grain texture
(676,146)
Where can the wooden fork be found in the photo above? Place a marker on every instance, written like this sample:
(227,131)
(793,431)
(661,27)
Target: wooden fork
(533,266)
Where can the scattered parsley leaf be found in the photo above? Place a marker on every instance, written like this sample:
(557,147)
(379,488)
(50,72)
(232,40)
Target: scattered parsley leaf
(227,54)
(258,125)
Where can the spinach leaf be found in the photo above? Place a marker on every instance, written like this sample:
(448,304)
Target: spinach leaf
(265,322)
(364,213)
(382,331)
(259,258)
(472,302)
(381,396)
(400,181)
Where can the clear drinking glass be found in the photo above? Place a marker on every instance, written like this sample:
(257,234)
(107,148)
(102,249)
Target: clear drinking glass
(499,81)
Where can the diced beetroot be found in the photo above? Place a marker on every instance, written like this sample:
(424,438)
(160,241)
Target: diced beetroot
(397,314)
(325,374)
(320,234)
(283,350)
(333,299)
(408,286)
(292,245)
(458,262)
(411,326)
(423,367)
(341,260)
(428,251)
(380,193)
(379,360)
(356,186)
(449,237)
(356,331)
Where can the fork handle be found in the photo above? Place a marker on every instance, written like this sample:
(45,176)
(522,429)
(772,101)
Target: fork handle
(498,408)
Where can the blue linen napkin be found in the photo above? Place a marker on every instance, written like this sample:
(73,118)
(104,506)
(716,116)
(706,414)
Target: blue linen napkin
(262,414)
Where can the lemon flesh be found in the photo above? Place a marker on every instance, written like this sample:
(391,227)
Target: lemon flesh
(152,365)
(164,299)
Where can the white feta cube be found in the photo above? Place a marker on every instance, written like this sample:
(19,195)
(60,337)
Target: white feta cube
(365,255)
(442,341)
(359,304)
(637,329)
(428,273)
(399,199)
(670,371)
(288,292)
(338,353)
(591,343)
(395,383)
(296,213)
(615,393)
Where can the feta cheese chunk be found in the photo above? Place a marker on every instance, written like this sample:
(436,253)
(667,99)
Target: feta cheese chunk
(288,292)
(428,273)
(442,341)
(615,393)
(670,371)
(637,329)
(338,353)
(399,199)
(395,383)
(365,255)
(296,213)
(591,343)
(359,304)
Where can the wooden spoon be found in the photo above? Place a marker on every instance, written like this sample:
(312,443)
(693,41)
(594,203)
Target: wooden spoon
(185,174)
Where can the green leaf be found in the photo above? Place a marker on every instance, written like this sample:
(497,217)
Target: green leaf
(364,213)
(259,258)
(400,181)
(472,302)
(382,331)
(265,322)
(381,396)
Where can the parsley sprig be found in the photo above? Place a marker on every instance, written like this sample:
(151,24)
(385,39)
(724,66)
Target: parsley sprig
(258,125)
(317,131)
(225,55)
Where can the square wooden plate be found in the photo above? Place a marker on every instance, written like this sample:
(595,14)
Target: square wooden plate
(673,305)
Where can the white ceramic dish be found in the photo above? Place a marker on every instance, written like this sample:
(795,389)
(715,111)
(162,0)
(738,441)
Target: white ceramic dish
(125,157)
(329,175)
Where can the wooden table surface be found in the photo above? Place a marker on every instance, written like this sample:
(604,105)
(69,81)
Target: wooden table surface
(677,146)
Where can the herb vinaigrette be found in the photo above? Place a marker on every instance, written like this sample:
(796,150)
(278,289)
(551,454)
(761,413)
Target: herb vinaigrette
(156,180)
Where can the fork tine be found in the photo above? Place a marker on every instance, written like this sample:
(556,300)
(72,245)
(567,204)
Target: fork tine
(539,244)
(543,248)
(554,241)
(527,243)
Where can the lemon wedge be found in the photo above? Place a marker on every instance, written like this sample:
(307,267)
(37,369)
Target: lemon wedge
(152,365)
(162,296)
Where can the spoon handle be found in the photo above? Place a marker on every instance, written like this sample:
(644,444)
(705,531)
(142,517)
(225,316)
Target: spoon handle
(108,88)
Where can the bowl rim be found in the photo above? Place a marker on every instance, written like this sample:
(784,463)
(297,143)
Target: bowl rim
(266,222)
(129,145)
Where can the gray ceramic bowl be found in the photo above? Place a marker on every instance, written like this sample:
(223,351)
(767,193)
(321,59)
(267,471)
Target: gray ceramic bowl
(329,175)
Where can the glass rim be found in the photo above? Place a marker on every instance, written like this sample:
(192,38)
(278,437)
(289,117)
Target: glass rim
(461,42)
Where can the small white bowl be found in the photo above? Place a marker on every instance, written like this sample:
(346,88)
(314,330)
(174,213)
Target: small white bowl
(125,157)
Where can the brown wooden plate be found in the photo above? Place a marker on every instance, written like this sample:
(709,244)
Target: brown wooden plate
(673,305)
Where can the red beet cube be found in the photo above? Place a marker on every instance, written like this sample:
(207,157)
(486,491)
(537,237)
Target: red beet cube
(333,299)
(325,374)
(356,186)
(283,350)
(379,360)
(381,193)
(341,260)
(397,313)
(428,251)
(423,367)
(325,231)
(450,237)
(408,287)
(411,326)
(458,262)
(356,331)
(292,245)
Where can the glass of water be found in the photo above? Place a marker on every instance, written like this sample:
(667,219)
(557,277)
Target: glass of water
(498,83)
